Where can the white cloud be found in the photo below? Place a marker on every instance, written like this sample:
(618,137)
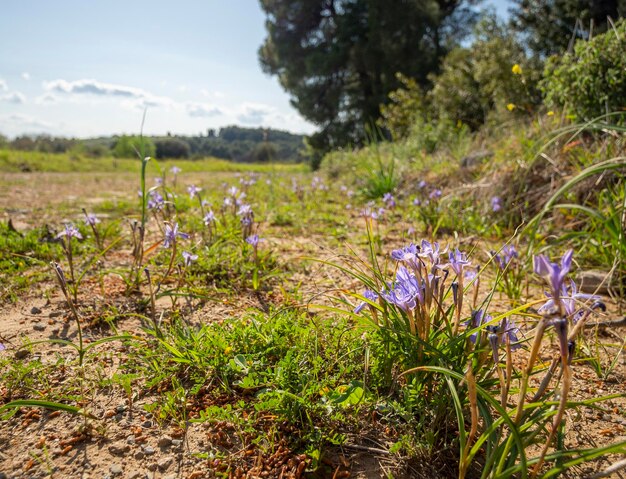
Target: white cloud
(3,85)
(94,87)
(14,97)
(24,124)
(254,113)
(212,94)
(26,76)
(132,97)
(202,110)
(46,99)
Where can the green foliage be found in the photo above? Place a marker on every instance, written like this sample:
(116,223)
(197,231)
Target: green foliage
(171,148)
(264,153)
(476,80)
(133,147)
(590,82)
(550,25)
(339,60)
(405,106)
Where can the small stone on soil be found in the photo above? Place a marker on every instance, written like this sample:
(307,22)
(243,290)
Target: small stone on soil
(165,441)
(39,327)
(165,463)
(148,450)
(116,469)
(35,310)
(119,448)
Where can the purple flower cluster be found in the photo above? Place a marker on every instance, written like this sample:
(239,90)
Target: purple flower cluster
(505,257)
(172,234)
(70,232)
(496,204)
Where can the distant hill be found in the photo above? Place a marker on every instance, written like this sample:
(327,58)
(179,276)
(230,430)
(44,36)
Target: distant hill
(230,143)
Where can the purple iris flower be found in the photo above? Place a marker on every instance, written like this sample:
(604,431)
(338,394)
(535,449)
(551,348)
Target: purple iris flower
(553,273)
(458,260)
(209,218)
(70,232)
(435,194)
(430,250)
(417,202)
(232,191)
(171,234)
(506,256)
(389,200)
(158,181)
(193,190)
(568,297)
(407,255)
(253,240)
(404,292)
(189,258)
(477,319)
(175,170)
(2,347)
(156,201)
(91,219)
(245,210)
(368,294)
(496,204)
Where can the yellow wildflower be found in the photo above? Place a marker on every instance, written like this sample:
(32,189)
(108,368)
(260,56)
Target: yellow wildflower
(517,70)
(550,113)
(510,106)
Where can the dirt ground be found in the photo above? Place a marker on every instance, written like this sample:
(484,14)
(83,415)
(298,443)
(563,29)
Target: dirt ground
(124,441)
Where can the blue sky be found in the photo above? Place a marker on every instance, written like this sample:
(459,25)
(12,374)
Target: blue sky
(88,68)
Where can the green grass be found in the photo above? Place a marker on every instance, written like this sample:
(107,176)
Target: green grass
(12,161)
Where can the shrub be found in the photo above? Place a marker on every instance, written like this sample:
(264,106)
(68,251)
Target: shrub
(171,148)
(474,81)
(131,146)
(591,81)
(406,105)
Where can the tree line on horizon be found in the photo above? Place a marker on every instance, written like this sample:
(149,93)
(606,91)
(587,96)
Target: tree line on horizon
(234,143)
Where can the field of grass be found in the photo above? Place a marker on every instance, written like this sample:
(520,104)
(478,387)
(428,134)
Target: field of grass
(395,315)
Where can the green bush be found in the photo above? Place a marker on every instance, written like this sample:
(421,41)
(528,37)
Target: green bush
(171,148)
(592,81)
(406,105)
(131,146)
(493,74)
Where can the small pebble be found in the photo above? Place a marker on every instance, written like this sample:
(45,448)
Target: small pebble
(139,455)
(165,441)
(118,417)
(119,448)
(148,450)
(116,469)
(147,424)
(21,354)
(130,439)
(176,442)
(55,314)
(39,327)
(34,310)
(121,408)
(152,467)
(165,463)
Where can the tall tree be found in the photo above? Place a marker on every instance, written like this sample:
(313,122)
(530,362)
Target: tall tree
(339,58)
(551,24)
